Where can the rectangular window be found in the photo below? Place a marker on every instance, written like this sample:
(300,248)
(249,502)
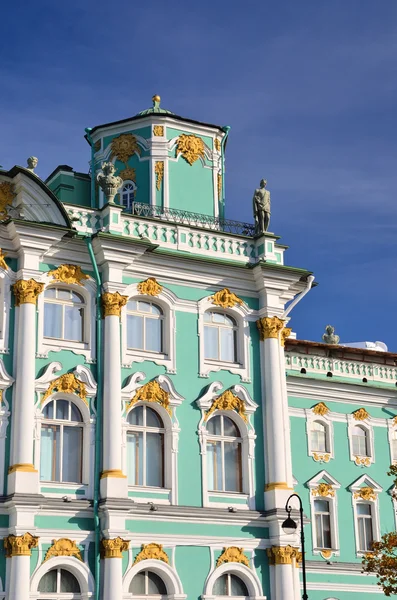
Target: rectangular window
(72,454)
(232,467)
(214,450)
(135,332)
(228,344)
(74,323)
(322,523)
(52,320)
(50,453)
(154,459)
(359,445)
(365,527)
(135,458)
(211,343)
(153,335)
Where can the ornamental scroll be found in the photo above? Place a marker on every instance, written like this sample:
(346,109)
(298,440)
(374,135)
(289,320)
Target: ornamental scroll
(151,392)
(7,195)
(225,298)
(320,409)
(191,147)
(63,547)
(3,264)
(68,274)
(228,401)
(151,551)
(124,146)
(67,384)
(159,171)
(232,554)
(149,287)
(361,414)
(365,493)
(324,490)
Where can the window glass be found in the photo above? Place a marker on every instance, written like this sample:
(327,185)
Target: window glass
(48,583)
(127,196)
(63,314)
(147,583)
(365,527)
(360,441)
(59,581)
(220,337)
(69,582)
(323,524)
(145,448)
(223,455)
(319,437)
(229,585)
(144,326)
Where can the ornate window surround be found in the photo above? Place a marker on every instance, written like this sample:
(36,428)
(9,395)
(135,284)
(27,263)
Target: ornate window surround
(248,576)
(89,416)
(312,484)
(171,437)
(366,481)
(239,313)
(365,424)
(325,420)
(7,278)
(78,568)
(87,347)
(166,301)
(248,437)
(167,573)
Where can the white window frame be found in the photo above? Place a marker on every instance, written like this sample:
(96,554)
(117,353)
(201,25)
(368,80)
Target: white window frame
(7,278)
(322,457)
(247,575)
(240,315)
(167,358)
(366,481)
(362,461)
(127,182)
(85,347)
(168,494)
(246,499)
(89,418)
(325,477)
(167,573)
(78,568)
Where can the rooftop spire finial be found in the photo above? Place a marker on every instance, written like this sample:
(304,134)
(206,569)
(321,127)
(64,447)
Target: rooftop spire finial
(156,101)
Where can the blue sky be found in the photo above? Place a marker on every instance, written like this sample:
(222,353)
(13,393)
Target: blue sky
(309,89)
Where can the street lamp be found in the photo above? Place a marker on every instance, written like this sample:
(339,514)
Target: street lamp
(289,526)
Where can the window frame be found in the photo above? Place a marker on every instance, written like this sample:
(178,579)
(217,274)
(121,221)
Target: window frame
(127,209)
(145,429)
(313,484)
(145,316)
(362,461)
(220,327)
(64,303)
(326,421)
(164,570)
(222,439)
(58,595)
(246,574)
(69,563)
(365,481)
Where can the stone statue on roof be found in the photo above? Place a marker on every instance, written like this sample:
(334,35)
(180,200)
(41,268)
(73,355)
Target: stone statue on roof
(32,163)
(330,337)
(108,181)
(261,206)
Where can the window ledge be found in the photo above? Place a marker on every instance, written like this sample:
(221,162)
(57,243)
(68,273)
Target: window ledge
(209,366)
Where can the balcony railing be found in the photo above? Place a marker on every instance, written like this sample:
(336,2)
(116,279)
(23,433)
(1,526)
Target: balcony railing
(184,217)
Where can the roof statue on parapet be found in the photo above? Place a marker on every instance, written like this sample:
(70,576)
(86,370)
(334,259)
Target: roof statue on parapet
(261,206)
(32,163)
(108,181)
(330,337)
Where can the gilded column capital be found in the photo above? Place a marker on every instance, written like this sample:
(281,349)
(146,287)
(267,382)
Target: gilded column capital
(27,291)
(114,548)
(285,333)
(283,555)
(113,303)
(270,327)
(20,545)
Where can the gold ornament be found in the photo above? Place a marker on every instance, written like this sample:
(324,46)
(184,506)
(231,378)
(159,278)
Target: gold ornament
(225,298)
(361,414)
(326,554)
(150,287)
(217,145)
(395,420)
(128,174)
(219,182)
(158,130)
(113,303)
(20,545)
(159,171)
(269,327)
(232,554)
(298,557)
(320,409)
(97,146)
(324,490)
(321,457)
(114,548)
(7,195)
(124,146)
(362,461)
(23,467)
(26,291)
(67,384)
(151,392)
(285,333)
(281,555)
(191,147)
(68,274)
(63,547)
(365,493)
(151,551)
(228,401)
(3,264)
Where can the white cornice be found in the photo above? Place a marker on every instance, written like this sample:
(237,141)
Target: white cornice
(317,390)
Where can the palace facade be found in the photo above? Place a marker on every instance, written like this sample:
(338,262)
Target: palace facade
(156,411)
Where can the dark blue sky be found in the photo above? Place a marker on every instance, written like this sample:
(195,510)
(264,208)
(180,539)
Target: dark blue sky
(309,89)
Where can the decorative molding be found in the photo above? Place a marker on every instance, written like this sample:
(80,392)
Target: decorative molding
(225,298)
(22,467)
(281,555)
(67,384)
(68,274)
(320,409)
(362,461)
(151,551)
(365,493)
(228,401)
(7,195)
(361,414)
(232,554)
(20,545)
(285,333)
(63,547)
(151,392)
(269,327)
(191,147)
(217,144)
(326,554)
(318,457)
(324,490)
(159,171)
(128,174)
(27,291)
(150,287)
(124,146)
(3,264)
(219,185)
(158,130)
(113,303)
(114,548)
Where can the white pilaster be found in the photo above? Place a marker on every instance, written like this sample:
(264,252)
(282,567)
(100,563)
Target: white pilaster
(284,580)
(287,429)
(112,578)
(19,578)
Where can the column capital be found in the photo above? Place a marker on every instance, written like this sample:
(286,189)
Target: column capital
(113,303)
(282,555)
(26,291)
(20,545)
(269,327)
(285,333)
(114,548)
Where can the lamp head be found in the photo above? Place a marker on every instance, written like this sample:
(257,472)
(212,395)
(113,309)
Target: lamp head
(289,526)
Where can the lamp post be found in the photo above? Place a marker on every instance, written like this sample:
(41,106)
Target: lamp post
(289,526)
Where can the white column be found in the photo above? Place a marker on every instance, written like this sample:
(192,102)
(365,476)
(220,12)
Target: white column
(18,550)
(23,478)
(297,581)
(113,480)
(283,580)
(112,567)
(287,429)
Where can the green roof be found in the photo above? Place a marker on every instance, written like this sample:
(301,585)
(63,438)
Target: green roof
(155,109)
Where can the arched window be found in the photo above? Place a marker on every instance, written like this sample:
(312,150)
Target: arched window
(145,447)
(220,337)
(61,447)
(360,442)
(58,584)
(223,455)
(127,196)
(63,314)
(147,583)
(144,326)
(229,585)
(319,441)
